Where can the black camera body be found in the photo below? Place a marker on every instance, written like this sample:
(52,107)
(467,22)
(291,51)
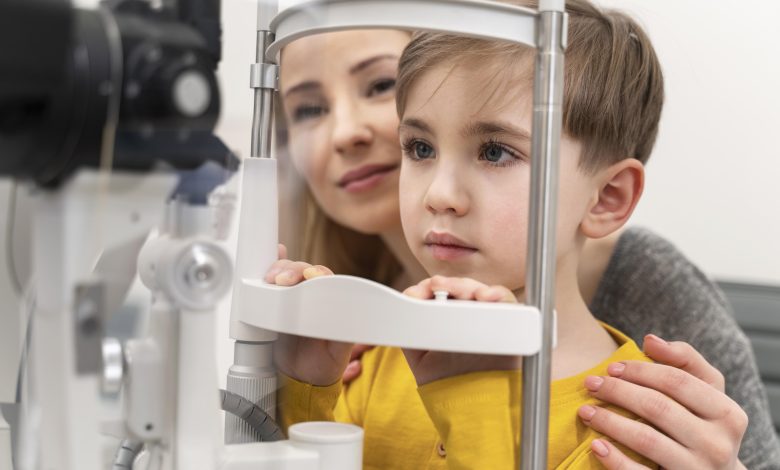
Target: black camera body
(76,81)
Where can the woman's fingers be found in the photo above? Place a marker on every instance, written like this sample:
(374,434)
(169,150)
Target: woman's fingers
(686,389)
(288,273)
(611,457)
(275,269)
(683,356)
(637,436)
(282,251)
(292,274)
(651,405)
(316,271)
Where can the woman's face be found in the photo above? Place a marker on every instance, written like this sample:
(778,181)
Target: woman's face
(338,92)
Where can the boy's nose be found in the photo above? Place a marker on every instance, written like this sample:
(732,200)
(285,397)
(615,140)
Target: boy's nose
(351,132)
(445,195)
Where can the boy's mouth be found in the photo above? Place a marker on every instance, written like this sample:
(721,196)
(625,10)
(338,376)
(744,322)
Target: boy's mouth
(446,247)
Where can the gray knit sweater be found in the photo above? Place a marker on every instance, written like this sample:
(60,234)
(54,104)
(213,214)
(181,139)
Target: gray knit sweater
(650,287)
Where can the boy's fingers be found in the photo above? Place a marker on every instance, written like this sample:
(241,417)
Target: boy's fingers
(275,269)
(683,356)
(358,350)
(495,294)
(418,292)
(282,250)
(611,457)
(460,288)
(488,294)
(353,370)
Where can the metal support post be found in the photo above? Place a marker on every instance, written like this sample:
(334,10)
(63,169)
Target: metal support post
(541,257)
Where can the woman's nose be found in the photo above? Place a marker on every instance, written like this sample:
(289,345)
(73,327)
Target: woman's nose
(351,131)
(445,195)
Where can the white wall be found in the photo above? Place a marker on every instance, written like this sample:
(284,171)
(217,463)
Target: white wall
(714,178)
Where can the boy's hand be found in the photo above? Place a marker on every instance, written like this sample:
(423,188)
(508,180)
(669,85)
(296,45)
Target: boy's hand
(428,366)
(315,361)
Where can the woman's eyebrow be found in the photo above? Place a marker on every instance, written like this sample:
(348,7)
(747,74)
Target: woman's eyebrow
(303,86)
(367,62)
(495,127)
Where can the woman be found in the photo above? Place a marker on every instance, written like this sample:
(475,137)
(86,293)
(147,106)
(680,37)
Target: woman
(338,99)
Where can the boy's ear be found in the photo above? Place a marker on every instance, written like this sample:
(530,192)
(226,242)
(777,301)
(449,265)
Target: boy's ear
(619,188)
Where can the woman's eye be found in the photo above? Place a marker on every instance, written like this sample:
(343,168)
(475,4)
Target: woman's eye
(381,86)
(308,112)
(497,154)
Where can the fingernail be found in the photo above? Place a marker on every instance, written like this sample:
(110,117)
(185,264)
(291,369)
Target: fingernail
(656,338)
(593,383)
(616,369)
(284,277)
(312,272)
(352,366)
(586,412)
(599,448)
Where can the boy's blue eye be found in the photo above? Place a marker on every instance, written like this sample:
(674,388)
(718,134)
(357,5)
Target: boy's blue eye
(497,154)
(493,153)
(422,150)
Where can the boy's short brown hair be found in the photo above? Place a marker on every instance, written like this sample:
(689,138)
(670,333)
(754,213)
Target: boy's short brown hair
(613,84)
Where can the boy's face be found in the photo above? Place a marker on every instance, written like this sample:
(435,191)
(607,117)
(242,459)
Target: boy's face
(464,187)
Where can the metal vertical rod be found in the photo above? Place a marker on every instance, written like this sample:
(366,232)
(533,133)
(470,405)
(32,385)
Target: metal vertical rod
(263,114)
(542,222)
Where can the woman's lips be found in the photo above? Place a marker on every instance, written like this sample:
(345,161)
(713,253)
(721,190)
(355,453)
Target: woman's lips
(365,178)
(446,247)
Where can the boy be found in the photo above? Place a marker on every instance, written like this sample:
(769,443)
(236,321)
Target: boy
(465,109)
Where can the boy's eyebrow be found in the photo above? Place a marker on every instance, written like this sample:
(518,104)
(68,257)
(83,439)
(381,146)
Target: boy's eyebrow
(303,86)
(418,124)
(495,127)
(365,63)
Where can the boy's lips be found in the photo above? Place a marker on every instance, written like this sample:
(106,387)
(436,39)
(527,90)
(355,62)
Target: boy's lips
(446,247)
(364,178)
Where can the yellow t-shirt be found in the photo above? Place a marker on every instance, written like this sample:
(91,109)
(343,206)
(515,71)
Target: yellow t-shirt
(468,421)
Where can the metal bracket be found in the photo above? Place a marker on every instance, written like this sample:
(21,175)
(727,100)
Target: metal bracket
(264,76)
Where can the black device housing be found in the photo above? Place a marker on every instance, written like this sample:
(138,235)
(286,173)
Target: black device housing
(56,80)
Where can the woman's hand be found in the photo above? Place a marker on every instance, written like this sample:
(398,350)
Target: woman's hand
(691,422)
(314,361)
(428,366)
